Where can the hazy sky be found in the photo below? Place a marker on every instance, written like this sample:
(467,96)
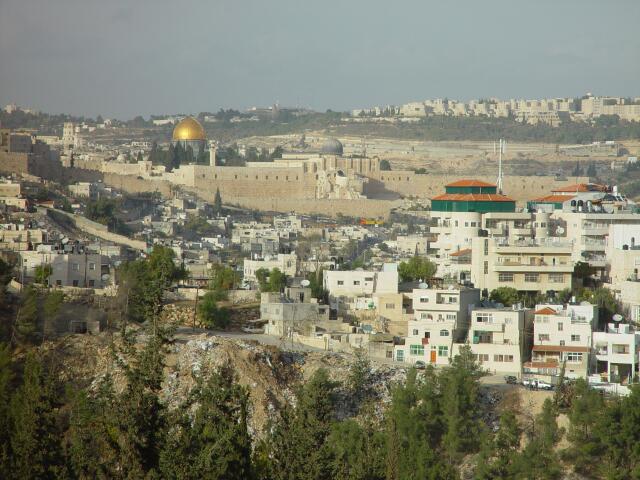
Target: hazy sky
(121,58)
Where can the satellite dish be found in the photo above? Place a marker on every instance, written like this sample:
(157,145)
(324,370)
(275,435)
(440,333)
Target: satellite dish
(559,230)
(423,285)
(617,318)
(305,283)
(105,277)
(64,240)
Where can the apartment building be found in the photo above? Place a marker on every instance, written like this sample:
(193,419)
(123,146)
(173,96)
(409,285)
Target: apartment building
(394,311)
(589,231)
(616,353)
(84,270)
(562,334)
(283,315)
(357,283)
(441,317)
(285,262)
(500,338)
(532,266)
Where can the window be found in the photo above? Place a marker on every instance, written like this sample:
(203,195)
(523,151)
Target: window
(400,355)
(59,283)
(486,267)
(531,277)
(368,279)
(75,283)
(484,317)
(444,333)
(486,246)
(340,282)
(356,282)
(482,357)
(562,343)
(473,224)
(503,358)
(92,283)
(415,332)
(75,267)
(560,326)
(574,357)
(556,278)
(389,306)
(466,224)
(424,299)
(575,338)
(416,350)
(543,337)
(443,351)
(92,266)
(505,277)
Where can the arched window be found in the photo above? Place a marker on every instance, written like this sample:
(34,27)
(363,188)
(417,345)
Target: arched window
(444,333)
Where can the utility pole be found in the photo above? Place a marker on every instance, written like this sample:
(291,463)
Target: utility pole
(195,307)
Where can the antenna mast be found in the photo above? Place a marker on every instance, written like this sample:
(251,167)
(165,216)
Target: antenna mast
(502,148)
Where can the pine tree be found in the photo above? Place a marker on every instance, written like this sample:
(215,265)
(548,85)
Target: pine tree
(497,458)
(539,460)
(26,325)
(6,376)
(298,449)
(213,442)
(460,385)
(586,408)
(35,436)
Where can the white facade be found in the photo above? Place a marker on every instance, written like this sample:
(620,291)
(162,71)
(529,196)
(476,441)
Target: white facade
(499,338)
(359,283)
(67,269)
(616,353)
(285,262)
(562,333)
(441,318)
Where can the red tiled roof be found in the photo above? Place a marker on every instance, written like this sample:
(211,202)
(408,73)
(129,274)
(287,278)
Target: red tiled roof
(474,197)
(470,183)
(460,252)
(558,348)
(582,187)
(554,198)
(545,311)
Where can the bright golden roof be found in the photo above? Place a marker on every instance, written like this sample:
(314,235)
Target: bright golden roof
(188,129)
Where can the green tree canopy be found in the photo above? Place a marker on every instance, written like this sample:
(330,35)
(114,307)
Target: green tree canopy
(417,268)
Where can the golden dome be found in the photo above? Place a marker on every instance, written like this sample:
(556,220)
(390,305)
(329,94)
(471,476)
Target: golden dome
(188,129)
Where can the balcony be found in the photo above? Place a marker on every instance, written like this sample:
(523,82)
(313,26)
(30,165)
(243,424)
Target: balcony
(515,267)
(595,230)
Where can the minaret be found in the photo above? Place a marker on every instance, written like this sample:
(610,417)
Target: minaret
(212,154)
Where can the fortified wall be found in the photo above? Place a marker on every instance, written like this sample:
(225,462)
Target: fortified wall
(408,183)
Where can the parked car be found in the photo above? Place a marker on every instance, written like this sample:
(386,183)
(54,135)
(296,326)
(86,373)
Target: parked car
(420,365)
(511,379)
(535,384)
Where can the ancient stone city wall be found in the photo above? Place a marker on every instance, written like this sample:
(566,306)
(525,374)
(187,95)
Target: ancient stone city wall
(520,188)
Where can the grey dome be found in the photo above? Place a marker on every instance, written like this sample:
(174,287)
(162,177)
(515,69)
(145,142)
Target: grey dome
(332,146)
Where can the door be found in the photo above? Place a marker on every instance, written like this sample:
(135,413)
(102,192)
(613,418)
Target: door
(433,356)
